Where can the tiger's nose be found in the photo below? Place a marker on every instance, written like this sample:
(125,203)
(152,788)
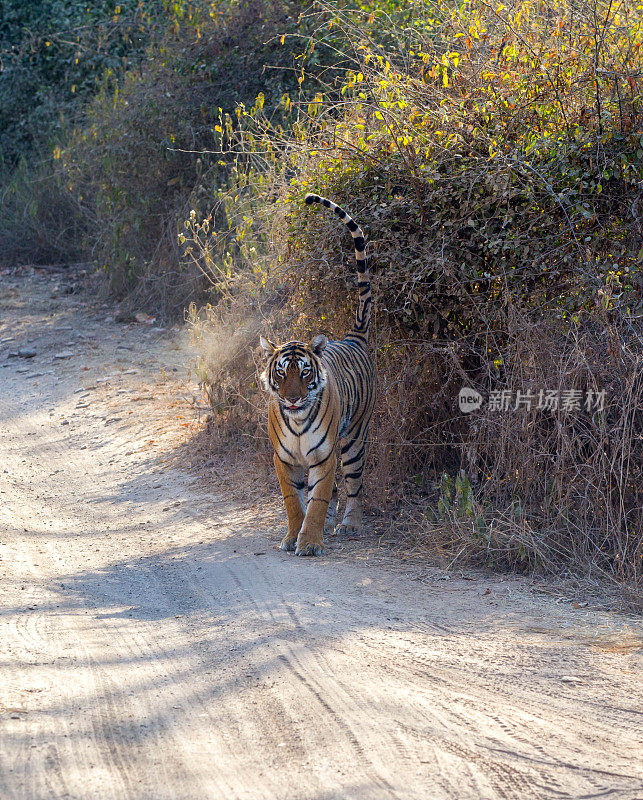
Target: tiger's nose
(292,398)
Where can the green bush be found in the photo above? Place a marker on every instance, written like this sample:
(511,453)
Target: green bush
(40,217)
(115,103)
(147,150)
(55,54)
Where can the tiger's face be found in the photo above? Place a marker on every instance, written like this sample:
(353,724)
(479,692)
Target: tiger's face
(294,374)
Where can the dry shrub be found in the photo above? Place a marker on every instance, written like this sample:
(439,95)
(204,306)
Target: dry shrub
(225,340)
(504,224)
(556,487)
(549,489)
(577,468)
(41,221)
(227,365)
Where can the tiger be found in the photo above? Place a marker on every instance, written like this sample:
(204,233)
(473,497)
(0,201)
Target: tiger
(321,398)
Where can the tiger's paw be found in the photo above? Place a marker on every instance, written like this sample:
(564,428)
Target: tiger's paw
(309,549)
(346,529)
(288,544)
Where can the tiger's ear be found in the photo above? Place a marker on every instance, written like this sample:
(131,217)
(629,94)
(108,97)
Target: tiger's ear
(268,347)
(318,344)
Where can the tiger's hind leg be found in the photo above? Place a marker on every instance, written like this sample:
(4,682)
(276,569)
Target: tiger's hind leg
(331,514)
(353,456)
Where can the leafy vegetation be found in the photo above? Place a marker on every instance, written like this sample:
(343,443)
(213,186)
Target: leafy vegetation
(55,55)
(114,126)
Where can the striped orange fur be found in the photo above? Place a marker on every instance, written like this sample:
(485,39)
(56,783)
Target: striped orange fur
(321,400)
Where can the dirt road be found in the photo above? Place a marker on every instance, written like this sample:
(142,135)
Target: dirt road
(154,643)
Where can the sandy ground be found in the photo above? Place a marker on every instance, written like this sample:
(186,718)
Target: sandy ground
(154,643)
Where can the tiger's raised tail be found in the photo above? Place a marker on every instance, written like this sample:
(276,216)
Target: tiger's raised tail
(363,315)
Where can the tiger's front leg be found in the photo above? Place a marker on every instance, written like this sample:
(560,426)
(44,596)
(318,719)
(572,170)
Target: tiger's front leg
(292,480)
(321,480)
